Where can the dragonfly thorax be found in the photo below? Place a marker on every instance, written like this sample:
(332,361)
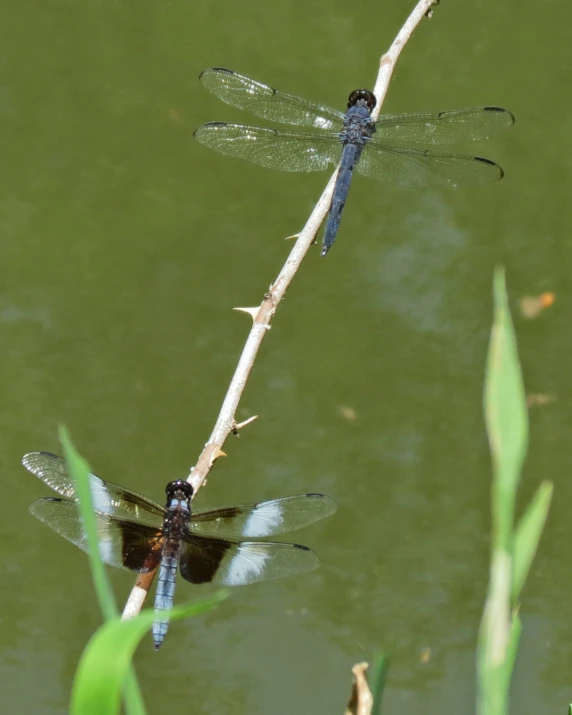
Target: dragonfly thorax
(358,126)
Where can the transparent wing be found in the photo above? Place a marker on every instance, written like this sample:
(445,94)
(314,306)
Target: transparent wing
(230,563)
(124,544)
(406,166)
(456,125)
(107,498)
(266,518)
(285,151)
(266,102)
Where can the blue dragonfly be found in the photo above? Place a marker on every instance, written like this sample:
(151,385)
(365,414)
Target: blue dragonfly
(352,139)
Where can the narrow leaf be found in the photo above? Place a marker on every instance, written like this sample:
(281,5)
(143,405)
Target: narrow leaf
(79,469)
(378,679)
(507,426)
(505,414)
(105,662)
(512,650)
(527,537)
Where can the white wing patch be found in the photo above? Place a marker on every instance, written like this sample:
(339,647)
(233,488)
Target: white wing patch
(265,520)
(106,550)
(246,567)
(100,496)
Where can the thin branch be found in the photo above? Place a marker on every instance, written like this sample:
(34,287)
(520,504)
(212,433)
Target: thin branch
(236,427)
(262,318)
(389,59)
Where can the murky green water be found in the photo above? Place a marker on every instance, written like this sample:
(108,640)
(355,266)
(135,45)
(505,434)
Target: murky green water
(124,246)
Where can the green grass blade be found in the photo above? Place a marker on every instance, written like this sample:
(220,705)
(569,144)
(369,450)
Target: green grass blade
(513,643)
(105,663)
(493,644)
(505,415)
(495,697)
(506,420)
(528,533)
(79,469)
(378,679)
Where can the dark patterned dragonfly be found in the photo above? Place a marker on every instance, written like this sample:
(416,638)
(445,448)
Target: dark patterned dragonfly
(352,139)
(139,534)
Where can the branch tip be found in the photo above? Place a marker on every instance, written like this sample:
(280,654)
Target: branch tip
(238,426)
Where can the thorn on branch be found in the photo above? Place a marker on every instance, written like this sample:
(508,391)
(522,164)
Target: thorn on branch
(253,312)
(216,454)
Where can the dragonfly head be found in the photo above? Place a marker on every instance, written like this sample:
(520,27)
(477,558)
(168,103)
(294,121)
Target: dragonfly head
(180,491)
(362,98)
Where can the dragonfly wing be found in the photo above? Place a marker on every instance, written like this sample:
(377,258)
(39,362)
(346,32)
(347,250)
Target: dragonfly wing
(233,563)
(285,151)
(266,518)
(107,498)
(449,127)
(266,102)
(52,470)
(124,544)
(414,168)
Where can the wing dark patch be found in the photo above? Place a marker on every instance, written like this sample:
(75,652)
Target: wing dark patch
(122,543)
(141,546)
(201,558)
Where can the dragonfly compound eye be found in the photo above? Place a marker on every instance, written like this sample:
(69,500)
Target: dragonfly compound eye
(181,486)
(362,97)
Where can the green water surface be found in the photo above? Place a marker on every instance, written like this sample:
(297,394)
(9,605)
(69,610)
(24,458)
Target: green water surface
(124,245)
